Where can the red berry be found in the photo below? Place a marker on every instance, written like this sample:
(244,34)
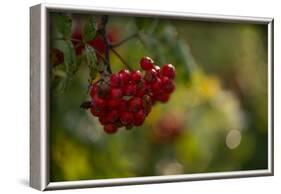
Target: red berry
(115,93)
(110,128)
(156,86)
(113,103)
(123,105)
(150,75)
(136,76)
(115,80)
(140,93)
(99,102)
(124,76)
(139,117)
(169,88)
(112,116)
(129,96)
(164,97)
(96,111)
(103,120)
(135,104)
(126,118)
(154,98)
(94,90)
(158,69)
(130,90)
(169,71)
(142,89)
(167,85)
(146,63)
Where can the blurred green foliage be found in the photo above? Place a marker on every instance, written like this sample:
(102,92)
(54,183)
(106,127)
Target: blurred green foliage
(216,120)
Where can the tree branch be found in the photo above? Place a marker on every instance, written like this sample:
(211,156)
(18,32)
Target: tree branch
(102,31)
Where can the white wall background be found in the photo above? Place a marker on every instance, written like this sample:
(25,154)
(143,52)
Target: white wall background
(14,94)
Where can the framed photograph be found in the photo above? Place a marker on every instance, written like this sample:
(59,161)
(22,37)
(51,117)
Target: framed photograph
(121,97)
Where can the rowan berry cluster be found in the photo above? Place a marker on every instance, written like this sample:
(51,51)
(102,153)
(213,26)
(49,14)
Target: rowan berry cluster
(126,98)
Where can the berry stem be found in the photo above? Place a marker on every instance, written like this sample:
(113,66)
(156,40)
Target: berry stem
(121,58)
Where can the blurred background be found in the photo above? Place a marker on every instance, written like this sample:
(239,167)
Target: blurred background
(215,121)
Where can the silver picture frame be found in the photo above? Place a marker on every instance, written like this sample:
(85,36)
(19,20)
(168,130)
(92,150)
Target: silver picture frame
(39,88)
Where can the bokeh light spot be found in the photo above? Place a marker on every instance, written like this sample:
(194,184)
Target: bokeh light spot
(233,139)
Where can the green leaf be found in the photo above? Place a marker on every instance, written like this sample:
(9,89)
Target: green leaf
(67,48)
(63,24)
(185,58)
(63,84)
(91,61)
(58,71)
(89,31)
(177,52)
(70,57)
(169,36)
(60,80)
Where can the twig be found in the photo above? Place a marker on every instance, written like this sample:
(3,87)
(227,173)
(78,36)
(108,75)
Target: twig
(140,38)
(102,31)
(124,40)
(121,58)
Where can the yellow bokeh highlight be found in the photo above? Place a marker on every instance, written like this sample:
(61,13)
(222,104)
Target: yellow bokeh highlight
(72,160)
